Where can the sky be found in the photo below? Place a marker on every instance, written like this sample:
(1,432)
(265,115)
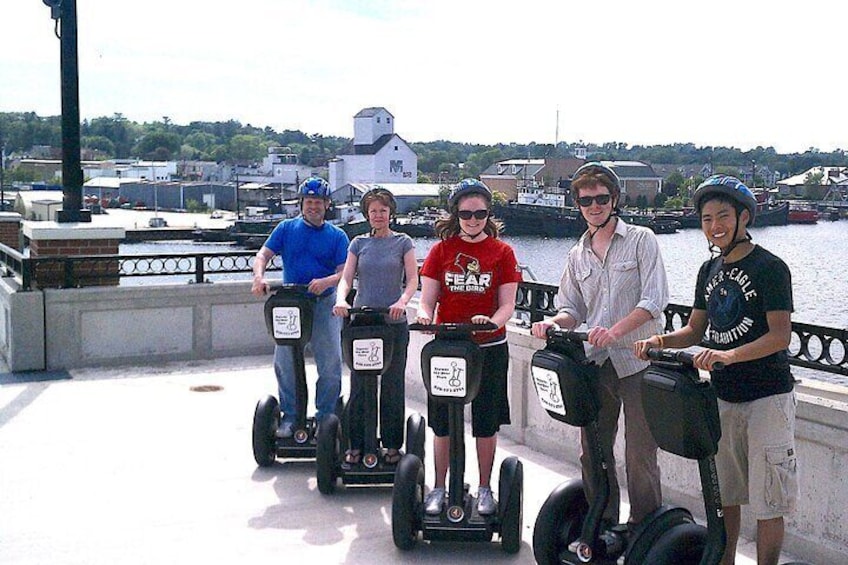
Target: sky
(726,73)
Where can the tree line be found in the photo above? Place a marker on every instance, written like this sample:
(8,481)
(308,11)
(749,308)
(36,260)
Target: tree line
(116,137)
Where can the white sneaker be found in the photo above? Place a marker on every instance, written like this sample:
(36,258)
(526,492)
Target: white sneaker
(434,501)
(486,504)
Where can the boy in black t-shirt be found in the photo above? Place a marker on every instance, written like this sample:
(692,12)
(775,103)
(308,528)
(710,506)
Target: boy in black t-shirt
(742,308)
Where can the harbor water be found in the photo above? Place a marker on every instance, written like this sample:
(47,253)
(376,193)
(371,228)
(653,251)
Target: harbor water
(817,256)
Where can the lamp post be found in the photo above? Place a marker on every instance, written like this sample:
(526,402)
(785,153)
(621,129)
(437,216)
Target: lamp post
(753,172)
(65,14)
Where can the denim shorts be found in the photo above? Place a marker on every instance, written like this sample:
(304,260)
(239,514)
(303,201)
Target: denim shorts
(757,461)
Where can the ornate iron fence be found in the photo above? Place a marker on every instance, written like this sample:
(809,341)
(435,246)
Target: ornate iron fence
(812,346)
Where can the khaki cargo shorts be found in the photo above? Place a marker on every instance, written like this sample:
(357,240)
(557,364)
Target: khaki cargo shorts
(756,460)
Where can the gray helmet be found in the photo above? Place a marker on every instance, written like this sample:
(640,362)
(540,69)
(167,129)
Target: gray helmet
(731,187)
(594,167)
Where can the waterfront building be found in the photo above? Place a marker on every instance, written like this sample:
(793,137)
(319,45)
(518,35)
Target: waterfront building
(409,196)
(377,154)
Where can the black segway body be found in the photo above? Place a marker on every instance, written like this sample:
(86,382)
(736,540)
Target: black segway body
(288,318)
(568,527)
(451,367)
(367,349)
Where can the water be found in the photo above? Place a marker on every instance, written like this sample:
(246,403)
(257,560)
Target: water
(817,256)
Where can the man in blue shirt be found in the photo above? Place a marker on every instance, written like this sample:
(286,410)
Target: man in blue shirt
(313,253)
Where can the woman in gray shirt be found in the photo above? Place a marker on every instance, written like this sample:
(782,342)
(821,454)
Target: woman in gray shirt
(384,264)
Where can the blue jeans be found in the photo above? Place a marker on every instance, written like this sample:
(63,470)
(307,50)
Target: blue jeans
(327,350)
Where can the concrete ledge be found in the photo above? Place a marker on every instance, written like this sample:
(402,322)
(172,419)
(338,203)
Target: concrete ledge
(21,327)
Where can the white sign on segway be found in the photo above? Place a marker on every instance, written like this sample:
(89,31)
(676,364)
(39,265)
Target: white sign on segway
(547,389)
(368,354)
(286,322)
(448,377)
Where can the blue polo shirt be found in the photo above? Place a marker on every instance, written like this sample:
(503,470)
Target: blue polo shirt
(308,252)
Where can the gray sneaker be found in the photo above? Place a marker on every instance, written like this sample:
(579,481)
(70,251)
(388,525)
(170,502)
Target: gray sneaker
(434,501)
(486,504)
(285,430)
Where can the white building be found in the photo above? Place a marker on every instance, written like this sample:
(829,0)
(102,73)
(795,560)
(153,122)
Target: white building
(408,196)
(378,154)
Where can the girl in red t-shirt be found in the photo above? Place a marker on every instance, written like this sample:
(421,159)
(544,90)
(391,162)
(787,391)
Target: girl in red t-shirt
(472,276)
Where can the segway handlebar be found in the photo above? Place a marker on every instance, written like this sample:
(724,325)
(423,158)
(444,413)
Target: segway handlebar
(674,355)
(367,310)
(277,285)
(452,328)
(555,332)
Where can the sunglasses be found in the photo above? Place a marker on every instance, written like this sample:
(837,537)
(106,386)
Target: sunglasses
(601,199)
(478,214)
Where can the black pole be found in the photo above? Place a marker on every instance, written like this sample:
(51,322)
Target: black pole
(71,167)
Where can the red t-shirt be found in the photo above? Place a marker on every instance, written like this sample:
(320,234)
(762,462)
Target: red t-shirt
(469,275)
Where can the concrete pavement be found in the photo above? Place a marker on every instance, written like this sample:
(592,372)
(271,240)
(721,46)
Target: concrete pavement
(153,465)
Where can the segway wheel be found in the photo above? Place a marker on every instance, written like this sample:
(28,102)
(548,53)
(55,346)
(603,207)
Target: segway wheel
(682,545)
(407,501)
(265,420)
(327,454)
(559,522)
(416,435)
(511,486)
(653,527)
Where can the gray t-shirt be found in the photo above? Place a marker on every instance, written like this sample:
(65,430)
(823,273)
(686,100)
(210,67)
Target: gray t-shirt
(379,269)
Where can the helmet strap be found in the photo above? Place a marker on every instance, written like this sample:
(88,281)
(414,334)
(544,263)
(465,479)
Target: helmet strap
(472,237)
(602,225)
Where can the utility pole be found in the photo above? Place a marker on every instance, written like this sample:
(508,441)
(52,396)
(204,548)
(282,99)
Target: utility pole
(64,12)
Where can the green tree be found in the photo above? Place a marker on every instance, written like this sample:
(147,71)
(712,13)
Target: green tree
(158,145)
(247,148)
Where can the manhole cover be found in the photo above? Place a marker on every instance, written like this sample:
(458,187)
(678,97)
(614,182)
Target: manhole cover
(206,388)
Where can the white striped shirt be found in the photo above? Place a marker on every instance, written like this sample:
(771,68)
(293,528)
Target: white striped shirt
(600,293)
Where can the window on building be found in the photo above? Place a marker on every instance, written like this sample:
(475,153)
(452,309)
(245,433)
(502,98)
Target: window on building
(396,147)
(378,119)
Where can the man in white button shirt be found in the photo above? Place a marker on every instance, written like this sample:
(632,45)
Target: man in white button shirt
(614,282)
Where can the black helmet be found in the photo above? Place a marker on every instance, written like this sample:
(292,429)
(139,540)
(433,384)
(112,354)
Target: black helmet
(731,187)
(594,167)
(469,186)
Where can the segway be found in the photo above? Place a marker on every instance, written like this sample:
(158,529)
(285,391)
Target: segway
(568,526)
(288,317)
(451,366)
(367,348)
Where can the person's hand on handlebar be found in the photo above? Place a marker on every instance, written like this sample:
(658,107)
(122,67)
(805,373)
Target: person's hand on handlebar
(397,310)
(600,336)
(706,359)
(540,329)
(341,309)
(481,319)
(641,347)
(422,317)
(259,286)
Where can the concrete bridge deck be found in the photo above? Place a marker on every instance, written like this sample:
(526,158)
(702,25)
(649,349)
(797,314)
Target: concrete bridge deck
(129,465)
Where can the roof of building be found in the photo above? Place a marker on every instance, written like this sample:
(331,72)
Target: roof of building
(830,175)
(631,169)
(398,189)
(373,148)
(373,111)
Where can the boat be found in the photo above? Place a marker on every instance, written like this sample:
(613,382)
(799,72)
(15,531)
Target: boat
(658,223)
(252,231)
(544,221)
(417,224)
(768,214)
(802,212)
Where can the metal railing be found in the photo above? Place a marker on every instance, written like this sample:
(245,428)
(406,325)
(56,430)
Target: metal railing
(815,347)
(812,346)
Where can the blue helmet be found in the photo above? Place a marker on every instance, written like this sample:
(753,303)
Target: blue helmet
(731,187)
(595,168)
(469,186)
(314,187)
